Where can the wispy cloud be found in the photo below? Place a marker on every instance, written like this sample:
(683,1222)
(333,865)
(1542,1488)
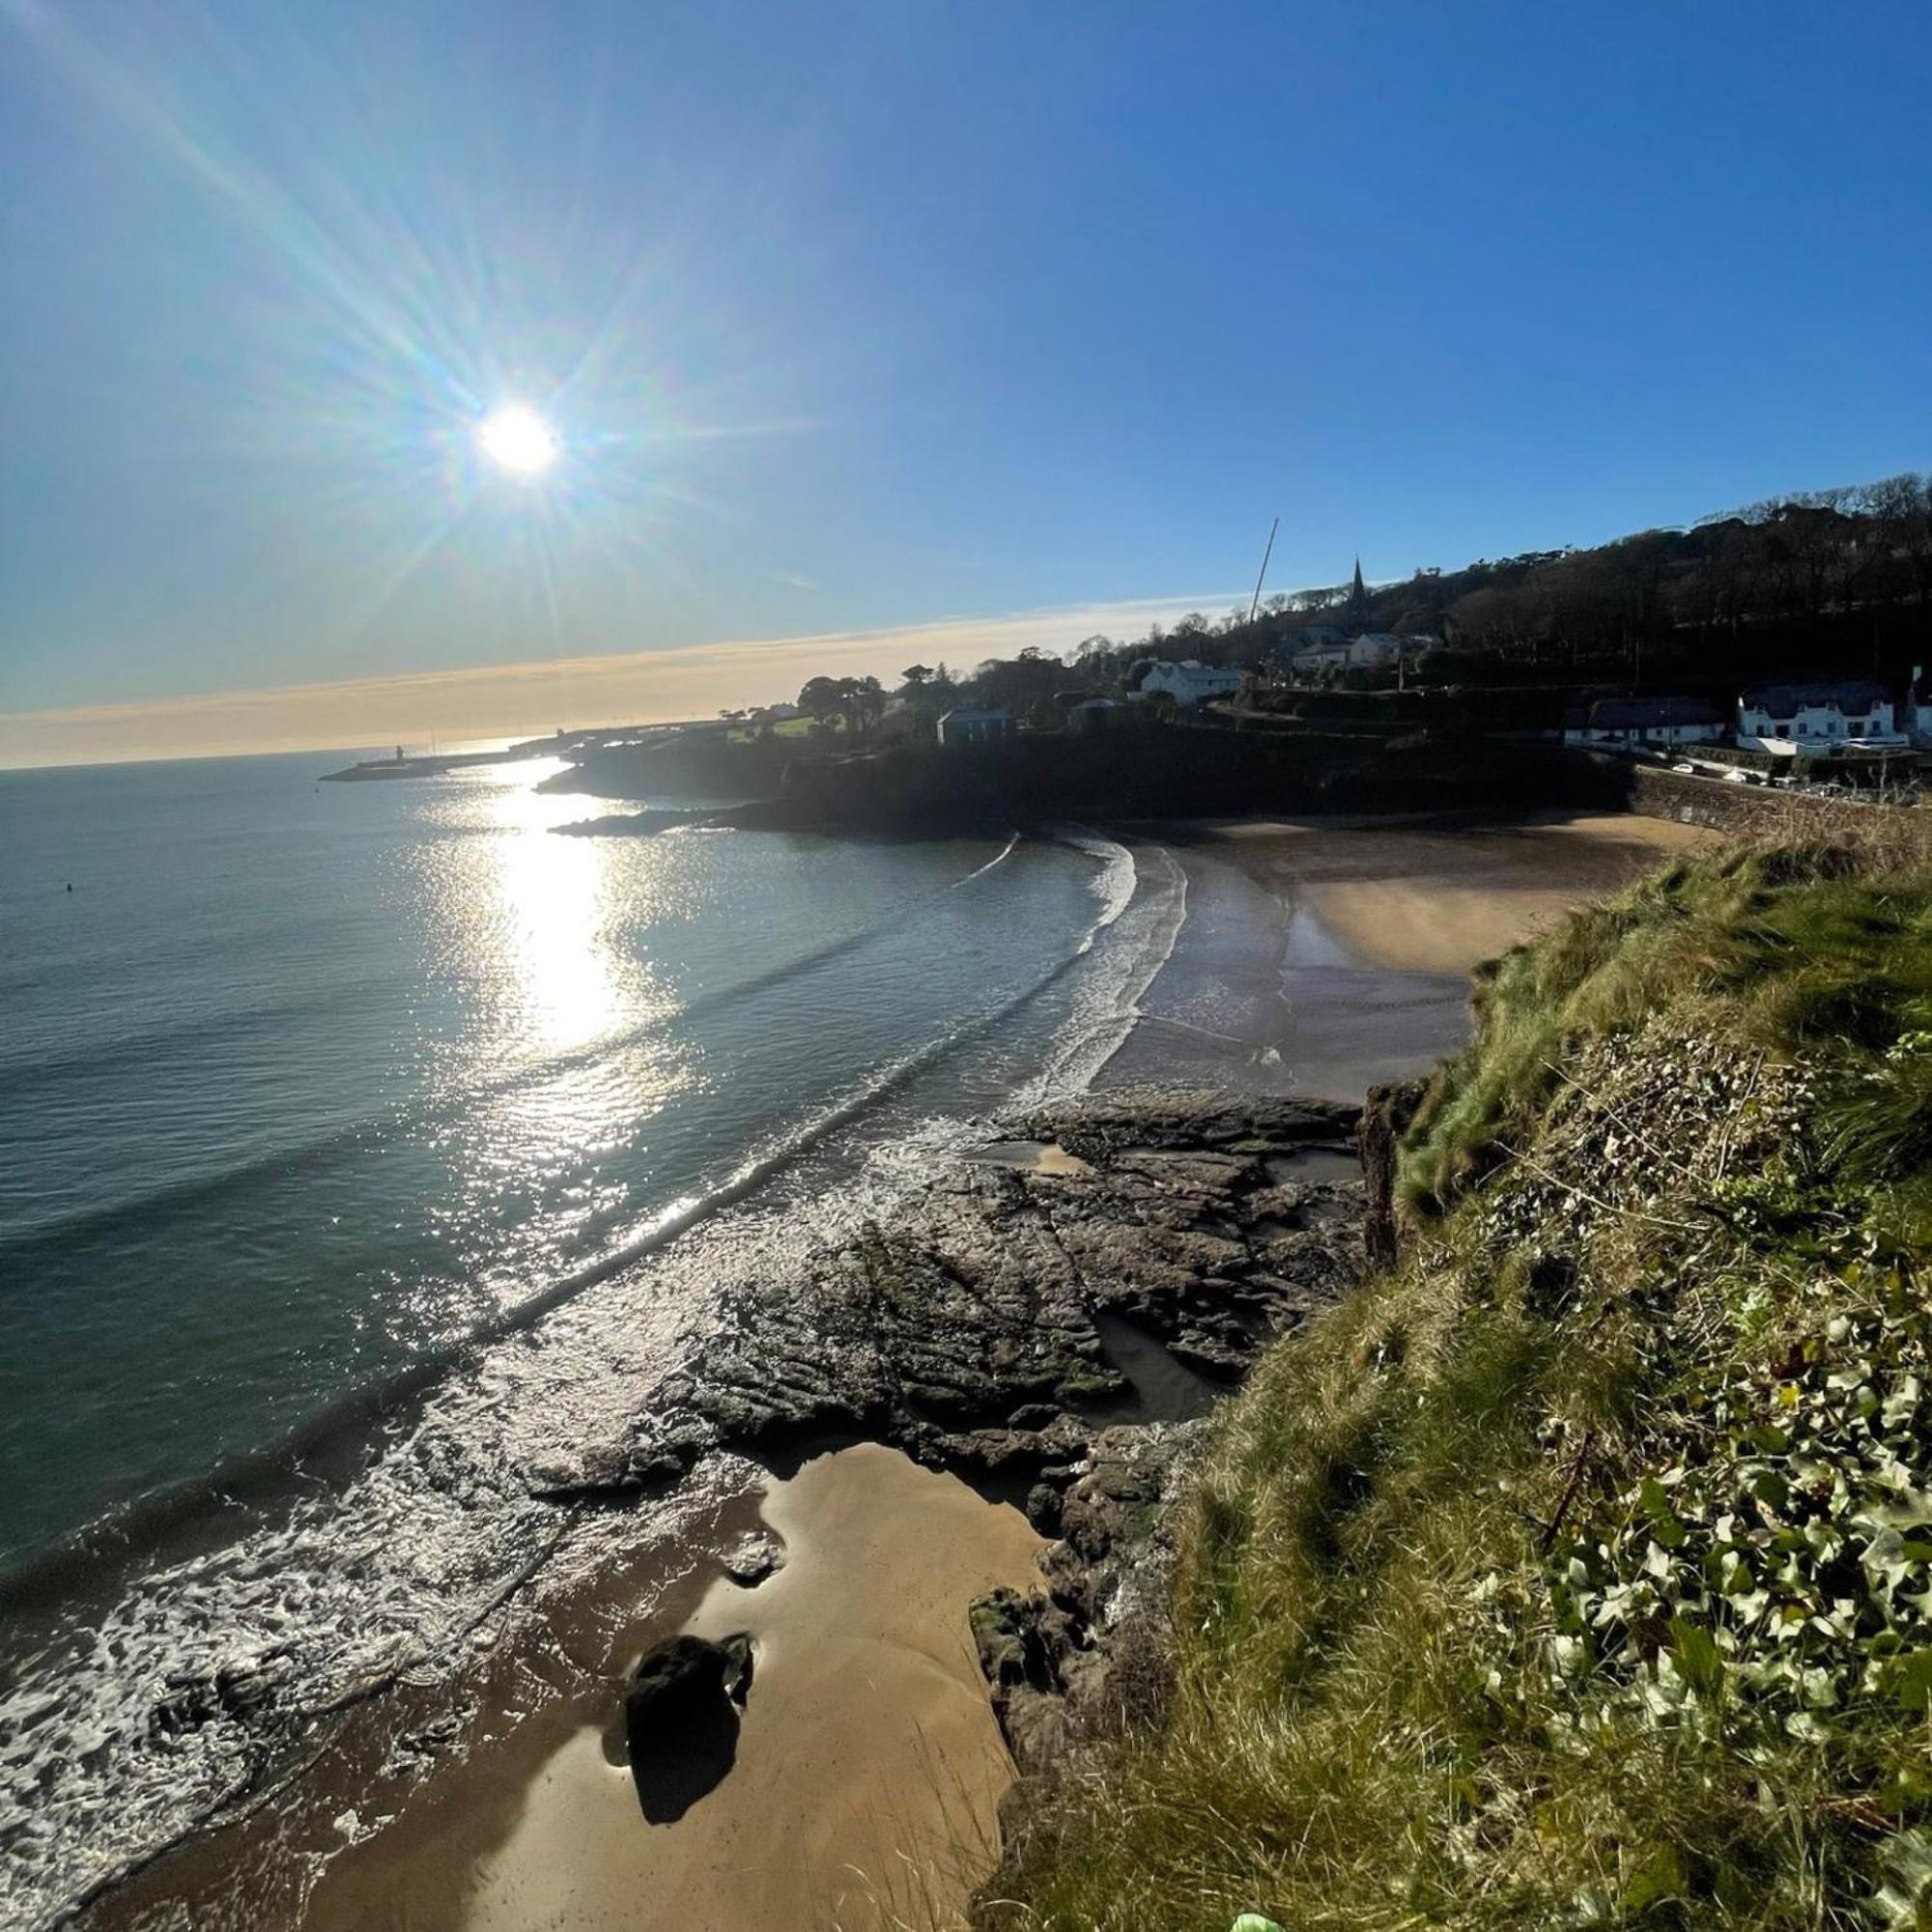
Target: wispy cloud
(514,699)
(796,581)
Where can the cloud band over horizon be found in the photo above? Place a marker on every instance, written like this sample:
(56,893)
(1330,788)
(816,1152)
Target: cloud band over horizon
(530,698)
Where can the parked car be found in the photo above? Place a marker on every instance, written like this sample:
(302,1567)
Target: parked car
(1685,766)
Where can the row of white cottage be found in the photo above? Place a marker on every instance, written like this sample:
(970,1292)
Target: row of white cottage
(1854,714)
(1321,647)
(1317,648)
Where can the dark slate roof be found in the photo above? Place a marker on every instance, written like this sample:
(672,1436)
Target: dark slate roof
(1852,694)
(1646,714)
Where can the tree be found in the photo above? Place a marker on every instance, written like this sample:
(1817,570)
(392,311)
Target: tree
(865,702)
(916,675)
(821,700)
(1022,685)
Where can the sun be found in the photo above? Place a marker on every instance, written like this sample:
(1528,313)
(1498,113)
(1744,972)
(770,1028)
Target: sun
(518,440)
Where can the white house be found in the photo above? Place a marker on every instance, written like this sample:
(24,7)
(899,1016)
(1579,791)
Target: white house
(1189,684)
(1373,650)
(1311,640)
(1821,717)
(1630,722)
(1323,654)
(975,724)
(1914,714)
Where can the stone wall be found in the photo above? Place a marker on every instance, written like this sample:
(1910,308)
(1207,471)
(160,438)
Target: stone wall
(1715,804)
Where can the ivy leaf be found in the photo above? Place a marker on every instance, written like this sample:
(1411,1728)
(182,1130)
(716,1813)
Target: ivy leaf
(1908,1679)
(1658,1880)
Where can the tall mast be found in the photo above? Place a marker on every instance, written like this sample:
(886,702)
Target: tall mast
(1254,603)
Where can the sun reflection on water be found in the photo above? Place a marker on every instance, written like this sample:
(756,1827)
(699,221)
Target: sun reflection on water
(552,906)
(574,1052)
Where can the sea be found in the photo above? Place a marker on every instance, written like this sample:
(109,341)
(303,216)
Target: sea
(355,1138)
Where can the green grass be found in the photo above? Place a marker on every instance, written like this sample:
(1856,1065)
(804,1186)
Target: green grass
(788,728)
(1580,1572)
(1810,950)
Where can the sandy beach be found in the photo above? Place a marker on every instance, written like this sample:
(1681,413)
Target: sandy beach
(1439,898)
(868,1768)
(1318,956)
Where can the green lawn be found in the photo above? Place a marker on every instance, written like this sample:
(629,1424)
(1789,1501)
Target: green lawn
(791,728)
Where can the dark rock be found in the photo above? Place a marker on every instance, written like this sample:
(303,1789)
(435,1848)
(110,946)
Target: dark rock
(1090,1652)
(240,1686)
(1385,1119)
(608,1472)
(246,1684)
(681,1720)
(968,1331)
(965,1330)
(1006,1635)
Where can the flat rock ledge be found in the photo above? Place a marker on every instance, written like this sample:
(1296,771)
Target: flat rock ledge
(968,1330)
(1053,1329)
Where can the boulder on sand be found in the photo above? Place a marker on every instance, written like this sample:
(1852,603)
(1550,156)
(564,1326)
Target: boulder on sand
(681,1720)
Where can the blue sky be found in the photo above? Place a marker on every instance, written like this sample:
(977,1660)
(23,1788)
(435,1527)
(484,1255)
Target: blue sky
(859,316)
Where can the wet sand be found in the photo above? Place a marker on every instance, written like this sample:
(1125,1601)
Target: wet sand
(1320,956)
(383,1825)
(868,1764)
(1434,898)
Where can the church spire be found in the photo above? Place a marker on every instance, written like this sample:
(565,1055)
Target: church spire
(1358,593)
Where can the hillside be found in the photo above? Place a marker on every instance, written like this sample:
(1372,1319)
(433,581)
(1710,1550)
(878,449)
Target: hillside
(1578,1572)
(1823,583)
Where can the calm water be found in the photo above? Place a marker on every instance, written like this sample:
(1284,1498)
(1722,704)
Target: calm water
(364,1146)
(301,1080)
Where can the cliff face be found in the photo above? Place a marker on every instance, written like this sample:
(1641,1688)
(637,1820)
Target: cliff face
(1579,1569)
(1153,771)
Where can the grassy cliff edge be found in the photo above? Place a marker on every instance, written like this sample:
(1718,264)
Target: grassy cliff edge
(1579,1571)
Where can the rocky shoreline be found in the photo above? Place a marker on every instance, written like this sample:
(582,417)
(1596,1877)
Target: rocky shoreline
(1042,1319)
(989,1332)
(969,1330)
(1089,1651)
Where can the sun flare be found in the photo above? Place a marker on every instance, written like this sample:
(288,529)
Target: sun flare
(518,440)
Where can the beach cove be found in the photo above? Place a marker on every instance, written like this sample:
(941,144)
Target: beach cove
(1311,959)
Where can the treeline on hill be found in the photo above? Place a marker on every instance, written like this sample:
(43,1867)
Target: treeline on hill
(1833,582)
(1825,583)
(1829,580)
